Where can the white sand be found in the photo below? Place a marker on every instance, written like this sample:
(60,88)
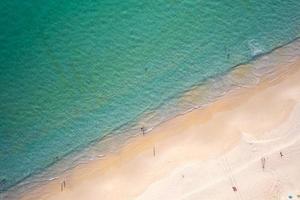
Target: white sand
(203,154)
(240,167)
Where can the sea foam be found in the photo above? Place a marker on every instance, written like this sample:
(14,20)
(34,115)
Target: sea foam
(197,97)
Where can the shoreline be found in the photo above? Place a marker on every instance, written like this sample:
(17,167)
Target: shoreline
(265,66)
(142,145)
(83,79)
(242,75)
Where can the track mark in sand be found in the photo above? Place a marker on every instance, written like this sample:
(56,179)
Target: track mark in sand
(245,166)
(252,140)
(228,171)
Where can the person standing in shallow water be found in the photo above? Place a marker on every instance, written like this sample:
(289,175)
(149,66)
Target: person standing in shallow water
(227,53)
(143,130)
(2,183)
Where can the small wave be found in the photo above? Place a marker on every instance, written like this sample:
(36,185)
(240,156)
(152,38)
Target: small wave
(54,178)
(255,48)
(197,97)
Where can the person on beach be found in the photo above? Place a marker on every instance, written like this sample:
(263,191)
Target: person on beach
(263,162)
(62,185)
(281,154)
(234,188)
(143,130)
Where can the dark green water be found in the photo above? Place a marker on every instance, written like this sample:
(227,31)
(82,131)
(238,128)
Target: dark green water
(73,71)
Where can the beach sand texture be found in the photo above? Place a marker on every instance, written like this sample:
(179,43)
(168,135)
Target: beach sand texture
(243,146)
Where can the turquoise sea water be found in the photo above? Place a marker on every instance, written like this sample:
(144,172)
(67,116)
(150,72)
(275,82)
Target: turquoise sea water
(72,72)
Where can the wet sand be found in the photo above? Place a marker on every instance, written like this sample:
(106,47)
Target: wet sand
(211,153)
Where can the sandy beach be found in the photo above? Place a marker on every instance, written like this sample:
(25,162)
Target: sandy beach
(243,146)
